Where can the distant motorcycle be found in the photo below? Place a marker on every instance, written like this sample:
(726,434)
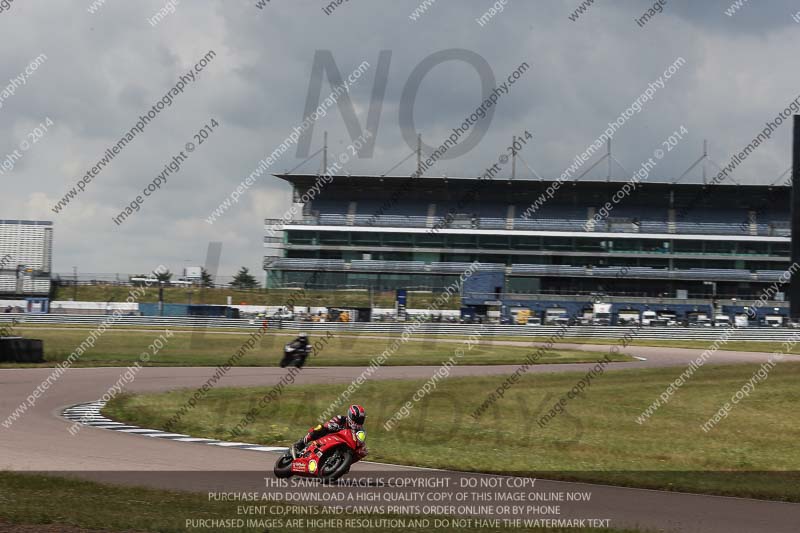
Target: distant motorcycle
(294,356)
(327,458)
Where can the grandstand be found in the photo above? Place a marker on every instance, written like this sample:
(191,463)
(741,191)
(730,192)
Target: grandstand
(389,232)
(26,249)
(683,249)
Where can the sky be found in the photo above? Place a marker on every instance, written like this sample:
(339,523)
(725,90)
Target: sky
(101,65)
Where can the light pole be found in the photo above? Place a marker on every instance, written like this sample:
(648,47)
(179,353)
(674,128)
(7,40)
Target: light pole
(713,294)
(713,288)
(160,297)
(74,284)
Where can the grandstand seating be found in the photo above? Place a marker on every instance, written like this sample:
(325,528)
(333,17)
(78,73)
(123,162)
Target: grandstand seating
(369,208)
(713,274)
(623,219)
(646,272)
(414,221)
(768,275)
(456,266)
(388,266)
(668,221)
(309,264)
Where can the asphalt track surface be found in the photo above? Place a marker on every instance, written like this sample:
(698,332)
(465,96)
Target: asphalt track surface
(39,441)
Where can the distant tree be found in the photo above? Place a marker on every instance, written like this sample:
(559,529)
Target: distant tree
(205,278)
(244,280)
(164,276)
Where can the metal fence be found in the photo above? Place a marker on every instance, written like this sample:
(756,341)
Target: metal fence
(596,332)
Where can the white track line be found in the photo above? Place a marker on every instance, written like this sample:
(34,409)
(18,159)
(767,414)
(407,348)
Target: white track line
(89,415)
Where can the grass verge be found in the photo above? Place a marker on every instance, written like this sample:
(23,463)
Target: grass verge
(751,453)
(219,296)
(211,348)
(637,340)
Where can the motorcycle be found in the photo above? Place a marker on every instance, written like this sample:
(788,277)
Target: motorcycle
(294,356)
(327,458)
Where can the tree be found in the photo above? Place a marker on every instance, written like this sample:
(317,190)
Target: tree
(205,278)
(243,280)
(164,276)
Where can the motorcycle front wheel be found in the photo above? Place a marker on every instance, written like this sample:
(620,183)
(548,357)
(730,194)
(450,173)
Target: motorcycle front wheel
(335,463)
(283,466)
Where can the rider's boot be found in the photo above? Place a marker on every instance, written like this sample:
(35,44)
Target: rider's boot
(297,448)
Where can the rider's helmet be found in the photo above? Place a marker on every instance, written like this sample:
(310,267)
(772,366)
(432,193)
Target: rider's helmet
(356,416)
(302,337)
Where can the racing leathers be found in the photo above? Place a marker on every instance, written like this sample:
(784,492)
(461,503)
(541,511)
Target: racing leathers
(335,424)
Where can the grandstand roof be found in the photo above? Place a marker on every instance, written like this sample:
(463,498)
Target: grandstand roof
(525,191)
(307,180)
(28,222)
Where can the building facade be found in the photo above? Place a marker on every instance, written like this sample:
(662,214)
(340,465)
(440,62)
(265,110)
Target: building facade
(26,252)
(657,240)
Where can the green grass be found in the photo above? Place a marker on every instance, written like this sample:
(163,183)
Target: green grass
(752,453)
(37,499)
(211,348)
(219,296)
(744,346)
(741,346)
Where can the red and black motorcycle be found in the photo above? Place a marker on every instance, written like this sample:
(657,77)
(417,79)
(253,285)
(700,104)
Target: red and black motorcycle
(327,458)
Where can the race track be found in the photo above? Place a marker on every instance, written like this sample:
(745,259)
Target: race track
(39,441)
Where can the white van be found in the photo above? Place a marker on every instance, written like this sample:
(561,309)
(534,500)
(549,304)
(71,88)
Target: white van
(648,317)
(722,321)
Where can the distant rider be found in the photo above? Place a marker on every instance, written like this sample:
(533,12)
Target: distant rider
(354,420)
(301,342)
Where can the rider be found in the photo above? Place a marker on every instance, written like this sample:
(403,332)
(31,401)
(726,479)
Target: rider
(301,342)
(354,420)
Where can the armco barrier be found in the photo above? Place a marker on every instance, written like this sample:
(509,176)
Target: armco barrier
(608,332)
